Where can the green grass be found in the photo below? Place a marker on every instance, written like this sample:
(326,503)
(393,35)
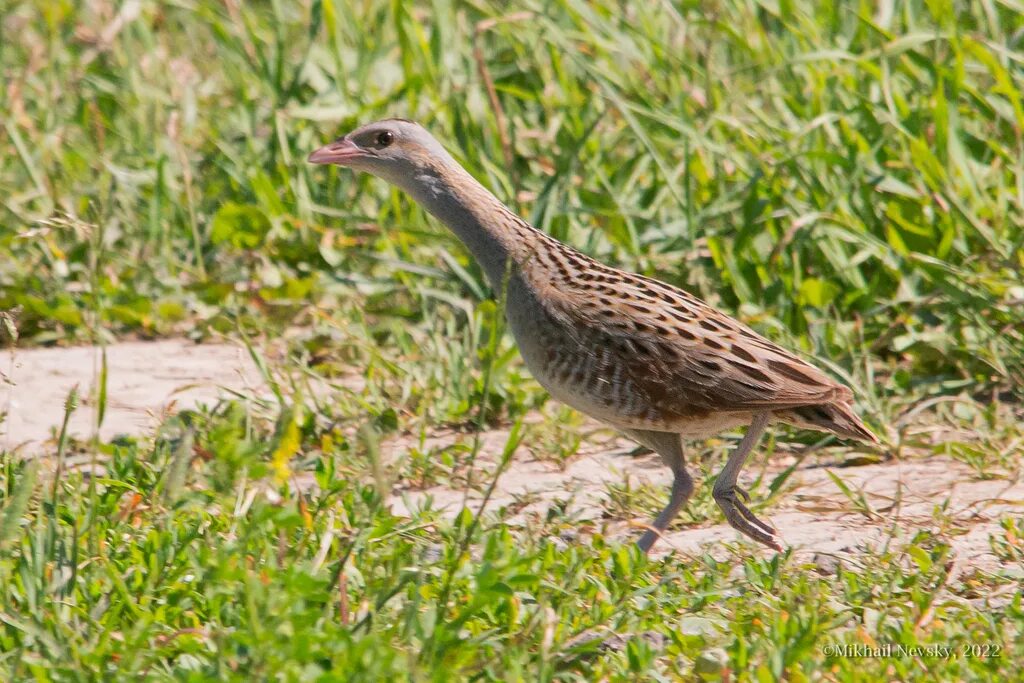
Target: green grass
(848,179)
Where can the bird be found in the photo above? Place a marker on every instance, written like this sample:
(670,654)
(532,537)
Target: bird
(640,355)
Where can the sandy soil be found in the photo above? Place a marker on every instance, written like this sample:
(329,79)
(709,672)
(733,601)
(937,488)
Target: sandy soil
(149,379)
(144,381)
(813,515)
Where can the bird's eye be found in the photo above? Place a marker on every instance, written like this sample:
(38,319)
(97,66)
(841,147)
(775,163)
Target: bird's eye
(385,138)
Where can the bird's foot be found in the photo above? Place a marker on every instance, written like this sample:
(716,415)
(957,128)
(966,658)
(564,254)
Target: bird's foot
(648,539)
(743,520)
(743,492)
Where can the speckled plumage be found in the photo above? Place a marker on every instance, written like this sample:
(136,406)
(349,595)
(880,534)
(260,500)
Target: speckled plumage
(641,355)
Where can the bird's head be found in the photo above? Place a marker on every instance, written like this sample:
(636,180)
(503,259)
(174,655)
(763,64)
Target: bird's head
(395,150)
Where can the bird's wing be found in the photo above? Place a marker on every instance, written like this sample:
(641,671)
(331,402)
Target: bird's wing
(681,349)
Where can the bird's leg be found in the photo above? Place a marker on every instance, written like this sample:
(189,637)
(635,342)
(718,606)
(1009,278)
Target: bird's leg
(726,490)
(670,447)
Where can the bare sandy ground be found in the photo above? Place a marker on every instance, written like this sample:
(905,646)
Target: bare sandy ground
(147,380)
(813,515)
(144,381)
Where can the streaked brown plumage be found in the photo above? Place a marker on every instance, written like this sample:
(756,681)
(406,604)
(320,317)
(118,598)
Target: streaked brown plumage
(641,355)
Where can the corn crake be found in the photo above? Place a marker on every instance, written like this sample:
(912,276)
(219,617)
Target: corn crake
(643,356)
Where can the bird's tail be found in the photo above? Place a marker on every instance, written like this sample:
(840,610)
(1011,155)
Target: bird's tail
(837,417)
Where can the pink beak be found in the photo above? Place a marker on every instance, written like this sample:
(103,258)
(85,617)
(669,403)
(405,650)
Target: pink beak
(339,152)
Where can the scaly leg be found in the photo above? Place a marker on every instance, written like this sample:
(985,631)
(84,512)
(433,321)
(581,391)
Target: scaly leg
(726,492)
(670,447)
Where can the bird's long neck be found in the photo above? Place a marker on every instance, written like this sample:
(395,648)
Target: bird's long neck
(488,228)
